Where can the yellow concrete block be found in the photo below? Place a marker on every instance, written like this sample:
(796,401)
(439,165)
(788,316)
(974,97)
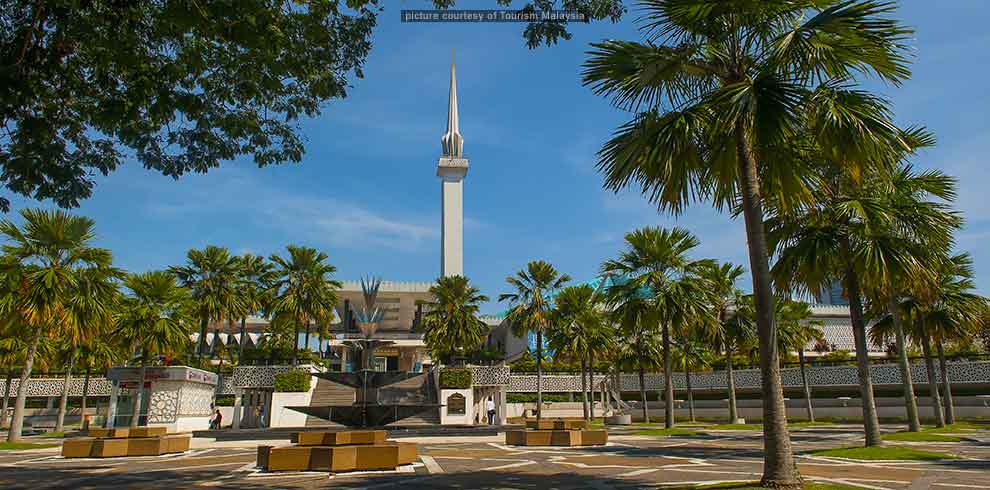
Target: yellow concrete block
(377,457)
(565,438)
(594,437)
(556,424)
(148,431)
(109,433)
(177,443)
(343,458)
(146,446)
(109,448)
(291,458)
(367,436)
(408,452)
(78,448)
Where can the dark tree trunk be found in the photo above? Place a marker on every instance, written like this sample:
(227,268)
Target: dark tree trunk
(240,342)
(807,388)
(136,402)
(591,385)
(731,382)
(584,389)
(950,409)
(926,349)
(204,322)
(910,402)
(668,380)
(306,342)
(6,398)
(295,343)
(642,396)
(17,423)
(690,392)
(85,394)
(63,401)
(779,467)
(539,375)
(871,424)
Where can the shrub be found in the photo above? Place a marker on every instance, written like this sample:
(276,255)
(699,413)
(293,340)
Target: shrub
(531,397)
(292,381)
(455,379)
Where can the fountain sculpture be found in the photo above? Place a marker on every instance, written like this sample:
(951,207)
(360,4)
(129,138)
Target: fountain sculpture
(376,404)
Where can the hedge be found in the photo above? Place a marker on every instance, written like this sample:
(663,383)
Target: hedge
(455,379)
(292,381)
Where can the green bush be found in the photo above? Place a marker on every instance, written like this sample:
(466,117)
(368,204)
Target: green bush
(455,379)
(531,397)
(292,381)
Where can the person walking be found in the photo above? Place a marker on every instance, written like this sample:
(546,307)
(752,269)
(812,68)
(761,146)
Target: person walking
(490,405)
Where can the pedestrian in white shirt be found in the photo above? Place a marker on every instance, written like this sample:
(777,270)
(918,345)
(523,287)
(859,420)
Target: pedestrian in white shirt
(490,405)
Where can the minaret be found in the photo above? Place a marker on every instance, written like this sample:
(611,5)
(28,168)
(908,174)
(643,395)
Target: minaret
(451,169)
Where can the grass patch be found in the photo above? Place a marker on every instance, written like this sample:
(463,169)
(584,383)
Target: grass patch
(52,434)
(756,486)
(922,437)
(810,424)
(17,446)
(882,453)
(673,432)
(735,427)
(957,427)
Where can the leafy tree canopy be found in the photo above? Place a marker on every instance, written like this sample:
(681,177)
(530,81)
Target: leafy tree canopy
(179,86)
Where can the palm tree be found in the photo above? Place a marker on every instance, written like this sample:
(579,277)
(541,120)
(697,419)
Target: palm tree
(151,322)
(303,289)
(212,277)
(100,354)
(579,333)
(734,320)
(641,346)
(451,323)
(691,354)
(43,272)
(256,277)
(795,331)
(656,264)
(531,309)
(718,91)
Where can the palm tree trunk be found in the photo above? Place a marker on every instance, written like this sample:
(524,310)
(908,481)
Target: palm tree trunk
(731,382)
(17,423)
(295,344)
(306,342)
(870,422)
(63,401)
(539,376)
(136,402)
(926,350)
(807,387)
(910,402)
(591,385)
(690,392)
(82,404)
(6,398)
(642,396)
(779,467)
(950,409)
(204,322)
(668,380)
(584,388)
(240,343)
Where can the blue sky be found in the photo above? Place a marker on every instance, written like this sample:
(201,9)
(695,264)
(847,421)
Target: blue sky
(367,192)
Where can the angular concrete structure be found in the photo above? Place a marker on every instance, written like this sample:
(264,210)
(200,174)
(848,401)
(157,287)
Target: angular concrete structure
(556,432)
(115,443)
(452,168)
(337,452)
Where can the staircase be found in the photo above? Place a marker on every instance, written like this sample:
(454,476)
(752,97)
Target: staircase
(328,393)
(419,389)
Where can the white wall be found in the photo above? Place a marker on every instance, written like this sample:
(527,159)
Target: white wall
(450,419)
(284,417)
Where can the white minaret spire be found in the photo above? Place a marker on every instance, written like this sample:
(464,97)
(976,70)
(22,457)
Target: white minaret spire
(452,142)
(452,168)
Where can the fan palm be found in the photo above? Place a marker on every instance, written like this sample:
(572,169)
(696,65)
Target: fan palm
(691,354)
(795,331)
(47,266)
(656,266)
(151,322)
(717,101)
(451,322)
(303,289)
(734,320)
(532,311)
(212,277)
(256,278)
(580,331)
(640,345)
(97,353)
(857,230)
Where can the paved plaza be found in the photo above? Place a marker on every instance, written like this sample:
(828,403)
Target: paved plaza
(628,461)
